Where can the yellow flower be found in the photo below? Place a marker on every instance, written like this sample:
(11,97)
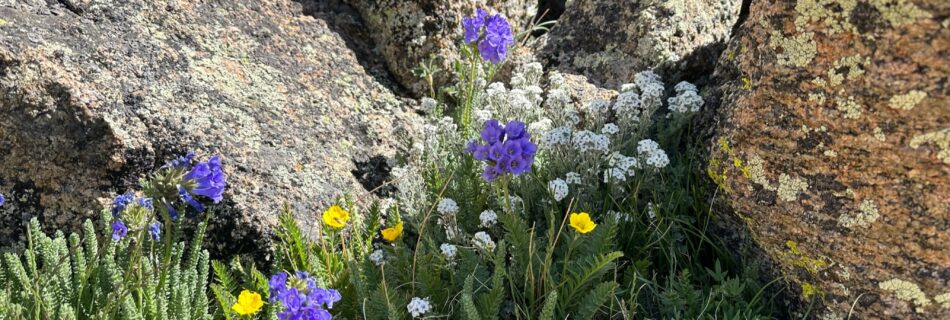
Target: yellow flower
(336,217)
(248,303)
(390,234)
(582,222)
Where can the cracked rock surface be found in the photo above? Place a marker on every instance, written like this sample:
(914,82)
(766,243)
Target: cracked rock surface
(833,149)
(95,94)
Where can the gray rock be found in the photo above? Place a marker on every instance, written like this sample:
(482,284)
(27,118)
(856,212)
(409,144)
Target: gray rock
(610,41)
(409,33)
(96,94)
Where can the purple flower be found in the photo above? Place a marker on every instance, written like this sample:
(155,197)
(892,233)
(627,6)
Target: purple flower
(472,27)
(2,199)
(512,148)
(119,230)
(493,132)
(146,203)
(120,202)
(182,162)
(507,149)
(277,284)
(155,230)
(209,179)
(471,146)
(172,213)
(494,45)
(514,130)
(187,198)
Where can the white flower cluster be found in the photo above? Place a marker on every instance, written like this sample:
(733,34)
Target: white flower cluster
(515,201)
(447,206)
(651,90)
(572,178)
(620,167)
(556,136)
(610,128)
(559,188)
(687,98)
(483,241)
(488,218)
(378,257)
(448,250)
(589,141)
(418,306)
(651,211)
(653,155)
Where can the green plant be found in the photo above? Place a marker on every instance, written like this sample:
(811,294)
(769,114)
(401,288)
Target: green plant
(92,277)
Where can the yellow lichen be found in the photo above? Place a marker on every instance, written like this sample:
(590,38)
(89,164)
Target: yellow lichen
(3,22)
(867,214)
(943,300)
(818,98)
(905,290)
(849,108)
(831,153)
(899,12)
(788,187)
(796,51)
(797,258)
(940,138)
(809,290)
(746,83)
(879,134)
(908,100)
(811,11)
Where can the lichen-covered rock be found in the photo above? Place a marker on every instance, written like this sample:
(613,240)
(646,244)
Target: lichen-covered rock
(410,33)
(95,94)
(610,41)
(833,141)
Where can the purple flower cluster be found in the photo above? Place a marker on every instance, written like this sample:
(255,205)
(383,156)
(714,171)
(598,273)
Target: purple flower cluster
(300,297)
(493,34)
(2,200)
(506,149)
(120,205)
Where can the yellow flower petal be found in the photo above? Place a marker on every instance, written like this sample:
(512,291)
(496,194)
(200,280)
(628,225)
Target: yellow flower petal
(582,223)
(390,234)
(248,303)
(336,217)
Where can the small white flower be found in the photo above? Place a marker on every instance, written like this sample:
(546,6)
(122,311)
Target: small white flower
(559,188)
(377,257)
(651,211)
(587,141)
(597,106)
(448,250)
(658,159)
(610,128)
(572,178)
(647,146)
(429,105)
(685,86)
(418,306)
(483,241)
(540,128)
(488,218)
(447,206)
(556,136)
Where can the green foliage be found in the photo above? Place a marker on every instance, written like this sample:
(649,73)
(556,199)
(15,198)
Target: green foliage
(86,278)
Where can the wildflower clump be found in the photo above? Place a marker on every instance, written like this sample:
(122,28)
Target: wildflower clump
(248,303)
(506,149)
(300,298)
